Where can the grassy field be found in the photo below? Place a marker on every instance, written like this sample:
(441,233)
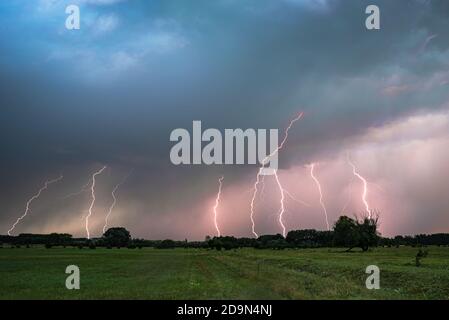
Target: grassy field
(39,273)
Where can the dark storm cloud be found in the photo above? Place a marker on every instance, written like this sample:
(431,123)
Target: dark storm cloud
(112,93)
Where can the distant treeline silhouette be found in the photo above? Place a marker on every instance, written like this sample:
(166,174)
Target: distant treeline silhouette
(347,233)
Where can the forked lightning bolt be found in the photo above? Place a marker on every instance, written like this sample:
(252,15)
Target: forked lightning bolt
(37,195)
(92,190)
(365,188)
(318,184)
(217,201)
(114,201)
(281,189)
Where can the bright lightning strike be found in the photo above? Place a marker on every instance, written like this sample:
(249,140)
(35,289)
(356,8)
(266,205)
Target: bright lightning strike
(253,199)
(318,184)
(92,189)
(217,201)
(365,188)
(255,189)
(114,202)
(282,209)
(37,195)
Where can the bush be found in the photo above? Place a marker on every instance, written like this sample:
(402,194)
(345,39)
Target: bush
(420,255)
(48,246)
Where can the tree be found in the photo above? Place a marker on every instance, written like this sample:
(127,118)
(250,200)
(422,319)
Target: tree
(368,235)
(226,243)
(117,237)
(352,233)
(345,233)
(309,238)
(271,241)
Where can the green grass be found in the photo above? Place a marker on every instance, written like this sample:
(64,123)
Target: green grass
(39,273)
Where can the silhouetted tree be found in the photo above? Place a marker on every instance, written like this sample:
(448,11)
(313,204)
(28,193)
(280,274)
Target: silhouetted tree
(367,230)
(345,233)
(117,237)
(310,238)
(352,233)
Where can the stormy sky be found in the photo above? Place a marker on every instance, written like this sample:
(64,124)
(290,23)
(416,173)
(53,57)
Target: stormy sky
(73,101)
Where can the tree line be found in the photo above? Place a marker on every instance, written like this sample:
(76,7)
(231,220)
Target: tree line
(347,233)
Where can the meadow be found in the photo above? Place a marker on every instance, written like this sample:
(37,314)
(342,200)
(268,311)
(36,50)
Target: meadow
(39,273)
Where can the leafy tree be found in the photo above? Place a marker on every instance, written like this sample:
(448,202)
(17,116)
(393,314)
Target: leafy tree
(117,237)
(368,236)
(352,233)
(226,243)
(309,238)
(345,233)
(270,241)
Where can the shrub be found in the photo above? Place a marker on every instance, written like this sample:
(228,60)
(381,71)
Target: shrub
(420,255)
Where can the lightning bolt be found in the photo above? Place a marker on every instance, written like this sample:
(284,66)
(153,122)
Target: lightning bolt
(84,188)
(318,184)
(365,188)
(92,189)
(282,209)
(295,199)
(253,199)
(34,197)
(217,200)
(114,200)
(255,189)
